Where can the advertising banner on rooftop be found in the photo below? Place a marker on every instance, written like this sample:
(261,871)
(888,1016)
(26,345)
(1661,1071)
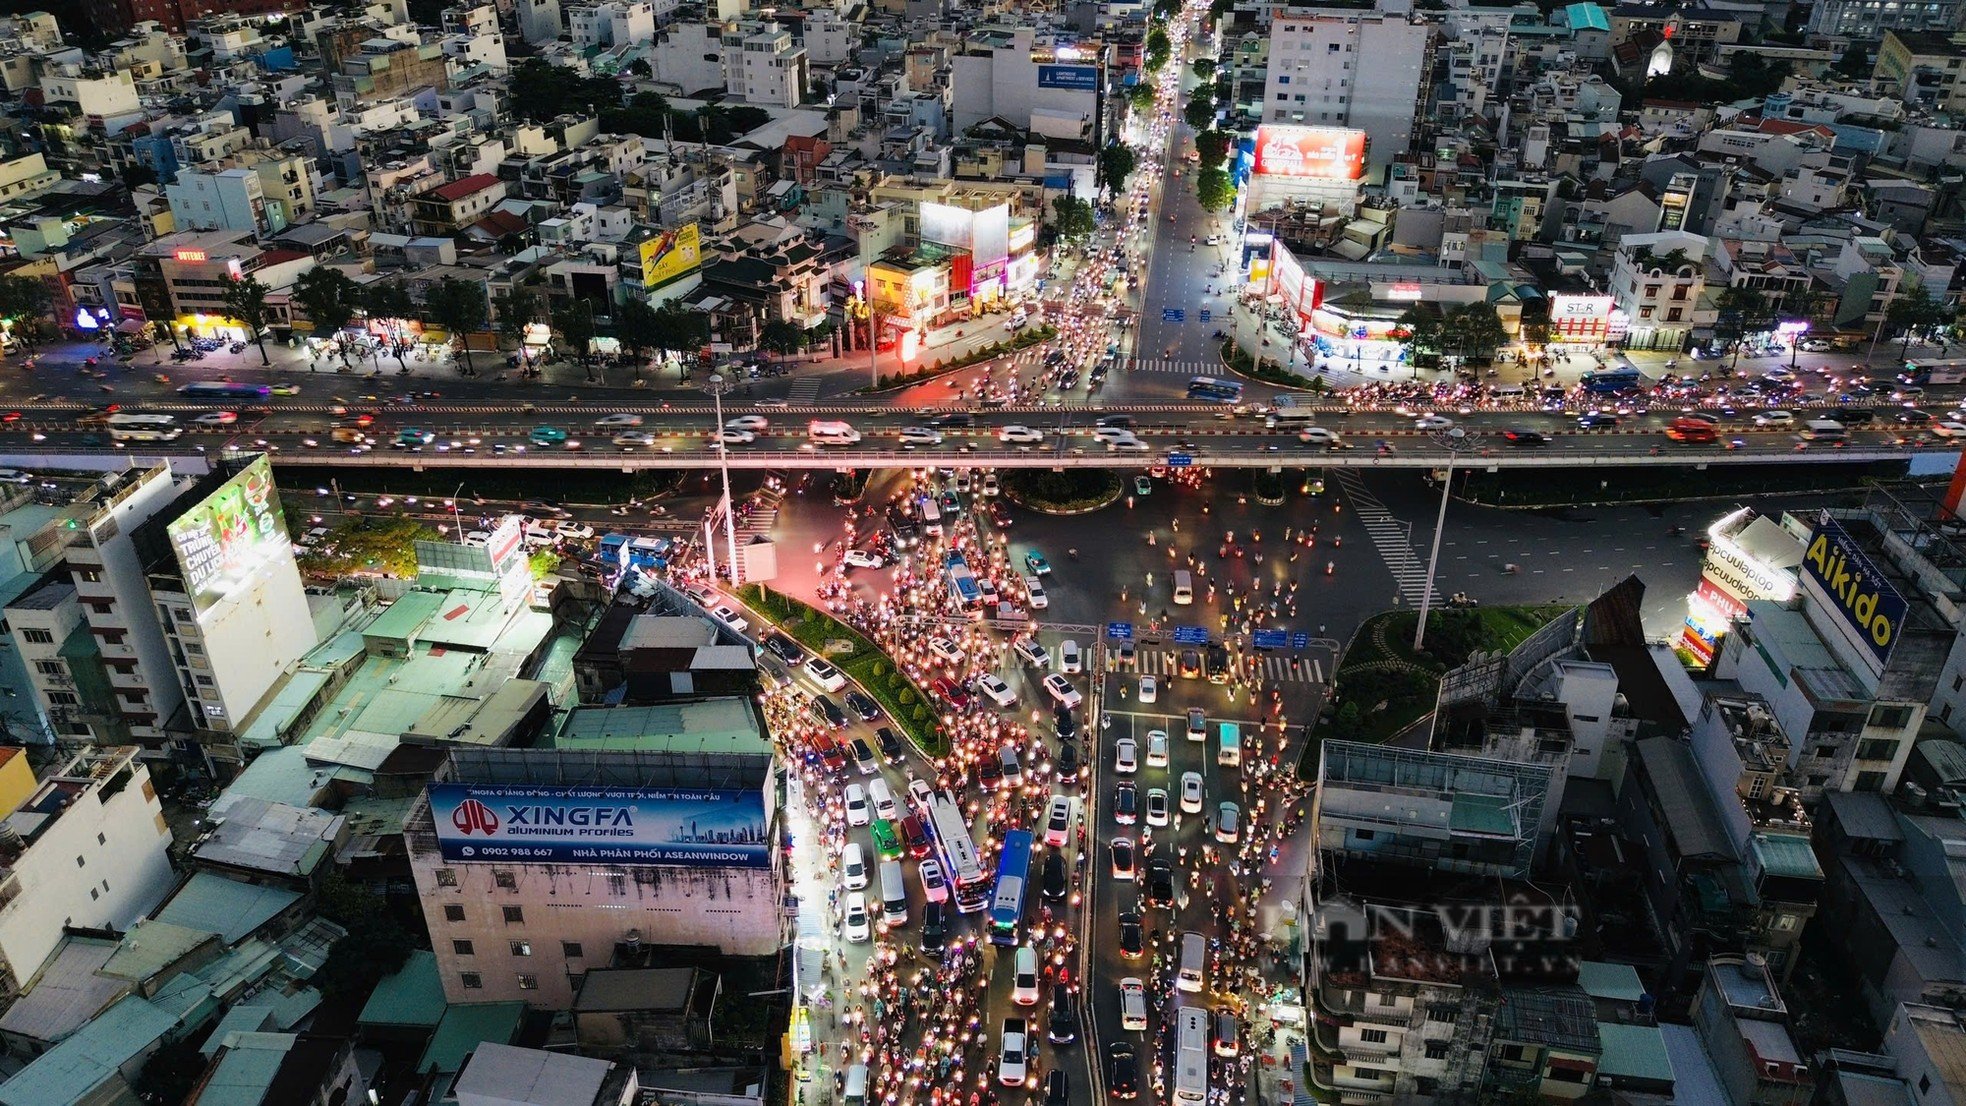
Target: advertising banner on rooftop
(1863,599)
(230,535)
(1070,78)
(671,256)
(1317,153)
(708,828)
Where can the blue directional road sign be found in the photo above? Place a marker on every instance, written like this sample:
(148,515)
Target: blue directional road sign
(1120,631)
(1190,635)
(1179,460)
(1300,640)
(1269,639)
(1173,314)
(1206,314)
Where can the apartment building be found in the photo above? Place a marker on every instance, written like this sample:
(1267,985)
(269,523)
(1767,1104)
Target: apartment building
(1342,67)
(765,67)
(1658,280)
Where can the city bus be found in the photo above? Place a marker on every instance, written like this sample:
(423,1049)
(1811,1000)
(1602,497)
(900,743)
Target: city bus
(224,389)
(1613,381)
(962,582)
(143,428)
(1923,373)
(1292,409)
(968,882)
(1190,1056)
(1208,387)
(1007,902)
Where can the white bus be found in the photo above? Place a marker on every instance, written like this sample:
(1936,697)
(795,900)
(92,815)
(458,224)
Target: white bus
(143,428)
(1190,1056)
(1291,409)
(968,882)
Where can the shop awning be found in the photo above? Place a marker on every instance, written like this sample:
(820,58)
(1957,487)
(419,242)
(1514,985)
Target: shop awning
(131,326)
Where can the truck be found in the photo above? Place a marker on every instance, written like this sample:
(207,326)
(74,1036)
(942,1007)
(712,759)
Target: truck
(1291,409)
(962,582)
(1691,430)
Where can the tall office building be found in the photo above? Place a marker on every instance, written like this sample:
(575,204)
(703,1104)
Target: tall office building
(1340,67)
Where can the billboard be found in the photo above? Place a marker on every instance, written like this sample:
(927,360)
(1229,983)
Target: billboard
(230,535)
(1316,153)
(1578,318)
(984,233)
(708,828)
(1071,78)
(671,256)
(1298,290)
(1871,609)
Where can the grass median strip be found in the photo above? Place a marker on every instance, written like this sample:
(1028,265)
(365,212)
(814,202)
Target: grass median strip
(852,653)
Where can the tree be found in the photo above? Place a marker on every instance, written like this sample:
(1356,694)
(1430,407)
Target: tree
(682,330)
(1212,147)
(517,307)
(170,1074)
(575,322)
(1214,189)
(330,300)
(245,303)
(1141,97)
(1116,163)
(1421,327)
(1071,216)
(1204,68)
(459,307)
(24,302)
(1474,330)
(390,299)
(1200,113)
(1742,310)
(1159,46)
(1855,62)
(1910,312)
(781,337)
(638,330)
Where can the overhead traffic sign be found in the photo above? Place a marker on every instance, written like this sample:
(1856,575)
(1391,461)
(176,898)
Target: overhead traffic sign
(1120,631)
(1269,639)
(1206,315)
(1190,635)
(1179,460)
(1300,640)
(1173,314)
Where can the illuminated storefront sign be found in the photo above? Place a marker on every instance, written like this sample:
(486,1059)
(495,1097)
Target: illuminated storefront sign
(1575,318)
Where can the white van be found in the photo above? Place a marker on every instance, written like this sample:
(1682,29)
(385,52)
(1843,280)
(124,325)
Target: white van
(1184,587)
(856,1086)
(1194,962)
(853,866)
(1133,1005)
(1070,660)
(883,799)
(1824,430)
(832,432)
(1507,392)
(894,894)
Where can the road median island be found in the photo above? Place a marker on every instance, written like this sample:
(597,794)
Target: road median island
(1023,340)
(849,650)
(1073,491)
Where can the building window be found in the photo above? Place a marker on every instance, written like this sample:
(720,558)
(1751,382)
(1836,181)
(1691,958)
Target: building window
(453,912)
(1870,781)
(62,699)
(472,981)
(1876,748)
(1652,291)
(515,915)
(506,880)
(463,948)
(528,982)
(38,637)
(521,948)
(81,862)
(1440,1013)
(1437,1050)
(1889,717)
(51,668)
(447,877)
(1372,1036)
(571,950)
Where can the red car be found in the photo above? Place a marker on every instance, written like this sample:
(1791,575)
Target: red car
(830,753)
(952,691)
(914,836)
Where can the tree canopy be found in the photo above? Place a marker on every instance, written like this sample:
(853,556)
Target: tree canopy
(1071,217)
(245,302)
(1116,164)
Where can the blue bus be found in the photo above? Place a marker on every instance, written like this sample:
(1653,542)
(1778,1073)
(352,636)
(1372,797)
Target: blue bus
(1613,381)
(962,582)
(224,389)
(1007,903)
(1208,387)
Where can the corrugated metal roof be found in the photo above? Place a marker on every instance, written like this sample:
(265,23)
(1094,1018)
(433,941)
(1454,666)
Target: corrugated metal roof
(66,1073)
(1633,1051)
(413,996)
(231,909)
(68,992)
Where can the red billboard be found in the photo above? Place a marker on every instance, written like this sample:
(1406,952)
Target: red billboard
(1317,153)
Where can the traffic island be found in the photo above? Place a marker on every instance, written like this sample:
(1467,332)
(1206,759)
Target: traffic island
(1070,492)
(851,652)
(1024,339)
(1242,363)
(1382,688)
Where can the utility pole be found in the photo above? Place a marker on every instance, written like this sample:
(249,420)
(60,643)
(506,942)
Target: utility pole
(716,385)
(1454,445)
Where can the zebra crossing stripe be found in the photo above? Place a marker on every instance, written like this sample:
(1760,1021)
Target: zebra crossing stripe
(1273,667)
(1388,537)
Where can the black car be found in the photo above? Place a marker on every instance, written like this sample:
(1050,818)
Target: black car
(829,712)
(1597,420)
(957,419)
(1218,665)
(935,927)
(1852,416)
(1061,1026)
(1066,763)
(1052,884)
(1057,1088)
(1133,941)
(1526,437)
(1911,416)
(1066,726)
(1122,1071)
(1118,422)
(784,648)
(863,705)
(1160,882)
(890,743)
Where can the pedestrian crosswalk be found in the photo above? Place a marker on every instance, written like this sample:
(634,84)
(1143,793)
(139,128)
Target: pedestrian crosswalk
(1283,668)
(1164,365)
(1391,537)
(805,390)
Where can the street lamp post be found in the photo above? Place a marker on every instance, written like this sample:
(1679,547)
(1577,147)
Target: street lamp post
(1455,442)
(717,386)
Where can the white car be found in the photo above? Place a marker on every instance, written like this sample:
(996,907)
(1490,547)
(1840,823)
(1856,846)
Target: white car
(1128,444)
(1126,756)
(1035,594)
(1027,650)
(944,650)
(935,887)
(920,794)
(478,539)
(753,423)
(635,437)
(857,927)
(1773,418)
(1024,976)
(1058,821)
(1019,435)
(1948,429)
(217,418)
(920,435)
(1433,422)
(1190,792)
(824,674)
(858,812)
(1013,1057)
(1149,689)
(1070,659)
(736,437)
(1228,823)
(727,614)
(998,691)
(864,558)
(1062,691)
(1318,435)
(618,420)
(1157,806)
(991,486)
(1156,748)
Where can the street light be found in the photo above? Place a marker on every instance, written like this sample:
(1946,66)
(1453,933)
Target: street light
(716,385)
(1454,441)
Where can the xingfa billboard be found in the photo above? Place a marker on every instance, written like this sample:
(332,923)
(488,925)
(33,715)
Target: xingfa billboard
(1853,589)
(709,828)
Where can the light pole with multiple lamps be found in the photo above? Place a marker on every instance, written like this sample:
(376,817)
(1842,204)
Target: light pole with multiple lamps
(1454,441)
(716,385)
